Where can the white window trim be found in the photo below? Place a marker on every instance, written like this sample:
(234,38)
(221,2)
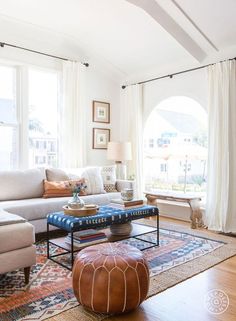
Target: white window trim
(22,107)
(22,99)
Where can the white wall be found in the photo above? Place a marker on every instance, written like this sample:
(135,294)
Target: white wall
(192,84)
(100,87)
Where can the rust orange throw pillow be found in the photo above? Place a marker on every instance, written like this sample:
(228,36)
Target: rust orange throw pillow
(61,188)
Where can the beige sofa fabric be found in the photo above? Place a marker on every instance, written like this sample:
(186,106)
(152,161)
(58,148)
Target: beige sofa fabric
(38,208)
(17,185)
(17,259)
(16,236)
(7,218)
(56,174)
(21,187)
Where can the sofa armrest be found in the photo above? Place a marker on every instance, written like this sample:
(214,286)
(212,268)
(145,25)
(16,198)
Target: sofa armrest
(8,218)
(121,184)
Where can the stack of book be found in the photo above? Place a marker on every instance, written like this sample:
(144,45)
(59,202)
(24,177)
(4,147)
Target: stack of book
(86,237)
(126,204)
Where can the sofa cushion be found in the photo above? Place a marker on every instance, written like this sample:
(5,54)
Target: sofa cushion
(35,208)
(109,178)
(8,218)
(62,188)
(93,179)
(38,208)
(17,184)
(56,174)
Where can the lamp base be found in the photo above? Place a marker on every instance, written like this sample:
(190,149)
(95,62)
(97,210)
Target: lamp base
(121,170)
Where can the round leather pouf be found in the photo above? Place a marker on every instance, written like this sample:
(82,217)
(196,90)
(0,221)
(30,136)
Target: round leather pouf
(110,277)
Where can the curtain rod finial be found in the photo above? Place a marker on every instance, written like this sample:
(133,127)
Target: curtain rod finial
(86,64)
(123,87)
(1,44)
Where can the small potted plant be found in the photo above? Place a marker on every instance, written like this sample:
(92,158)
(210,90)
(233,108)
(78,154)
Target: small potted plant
(78,188)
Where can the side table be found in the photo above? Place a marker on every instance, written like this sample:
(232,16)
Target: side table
(193,201)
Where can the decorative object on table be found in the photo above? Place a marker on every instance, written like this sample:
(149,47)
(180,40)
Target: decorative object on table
(78,189)
(86,238)
(121,229)
(83,211)
(123,278)
(101,137)
(120,152)
(101,112)
(127,204)
(127,194)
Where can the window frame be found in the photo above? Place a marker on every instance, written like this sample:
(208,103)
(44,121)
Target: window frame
(22,109)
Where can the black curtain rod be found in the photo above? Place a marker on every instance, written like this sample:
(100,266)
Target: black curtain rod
(174,74)
(3,44)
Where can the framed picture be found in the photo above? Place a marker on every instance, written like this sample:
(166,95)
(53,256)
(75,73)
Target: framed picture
(101,136)
(101,112)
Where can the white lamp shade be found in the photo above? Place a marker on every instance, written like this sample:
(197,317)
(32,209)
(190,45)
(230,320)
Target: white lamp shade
(119,151)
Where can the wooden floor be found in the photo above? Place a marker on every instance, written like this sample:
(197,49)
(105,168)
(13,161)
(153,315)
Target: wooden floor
(186,300)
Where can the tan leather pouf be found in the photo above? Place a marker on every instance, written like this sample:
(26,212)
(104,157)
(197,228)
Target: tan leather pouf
(110,277)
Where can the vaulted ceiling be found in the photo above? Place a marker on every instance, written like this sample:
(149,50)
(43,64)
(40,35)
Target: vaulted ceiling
(131,39)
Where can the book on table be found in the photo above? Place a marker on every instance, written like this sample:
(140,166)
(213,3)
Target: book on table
(86,237)
(134,202)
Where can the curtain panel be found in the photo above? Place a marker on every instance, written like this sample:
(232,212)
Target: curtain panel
(132,131)
(73,116)
(221,188)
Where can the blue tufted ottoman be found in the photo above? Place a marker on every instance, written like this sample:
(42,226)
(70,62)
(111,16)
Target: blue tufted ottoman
(106,216)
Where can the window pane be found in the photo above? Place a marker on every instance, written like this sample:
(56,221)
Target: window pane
(8,148)
(175,140)
(43,115)
(7,94)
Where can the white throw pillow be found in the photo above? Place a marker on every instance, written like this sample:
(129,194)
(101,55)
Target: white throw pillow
(109,178)
(93,178)
(74,173)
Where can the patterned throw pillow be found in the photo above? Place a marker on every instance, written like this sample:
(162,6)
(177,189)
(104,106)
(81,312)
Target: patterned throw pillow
(109,178)
(61,188)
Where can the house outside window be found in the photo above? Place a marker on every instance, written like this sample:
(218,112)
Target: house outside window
(36,138)
(9,124)
(178,162)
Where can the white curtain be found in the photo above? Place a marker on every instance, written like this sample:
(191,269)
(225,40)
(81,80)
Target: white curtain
(221,191)
(73,116)
(132,131)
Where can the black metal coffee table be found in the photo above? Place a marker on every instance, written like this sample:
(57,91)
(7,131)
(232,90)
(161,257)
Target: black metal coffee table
(105,217)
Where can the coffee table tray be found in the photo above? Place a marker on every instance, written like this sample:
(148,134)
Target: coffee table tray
(80,212)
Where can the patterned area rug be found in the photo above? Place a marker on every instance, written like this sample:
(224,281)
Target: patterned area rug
(49,292)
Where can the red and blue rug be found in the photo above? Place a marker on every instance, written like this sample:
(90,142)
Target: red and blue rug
(49,291)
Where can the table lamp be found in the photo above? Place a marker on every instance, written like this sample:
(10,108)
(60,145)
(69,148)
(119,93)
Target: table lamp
(120,152)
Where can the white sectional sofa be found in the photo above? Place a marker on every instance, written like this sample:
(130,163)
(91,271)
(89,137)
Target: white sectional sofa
(23,209)
(21,193)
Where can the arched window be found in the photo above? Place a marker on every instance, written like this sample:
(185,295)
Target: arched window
(175,146)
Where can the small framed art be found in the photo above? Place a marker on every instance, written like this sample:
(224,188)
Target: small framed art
(101,112)
(101,137)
